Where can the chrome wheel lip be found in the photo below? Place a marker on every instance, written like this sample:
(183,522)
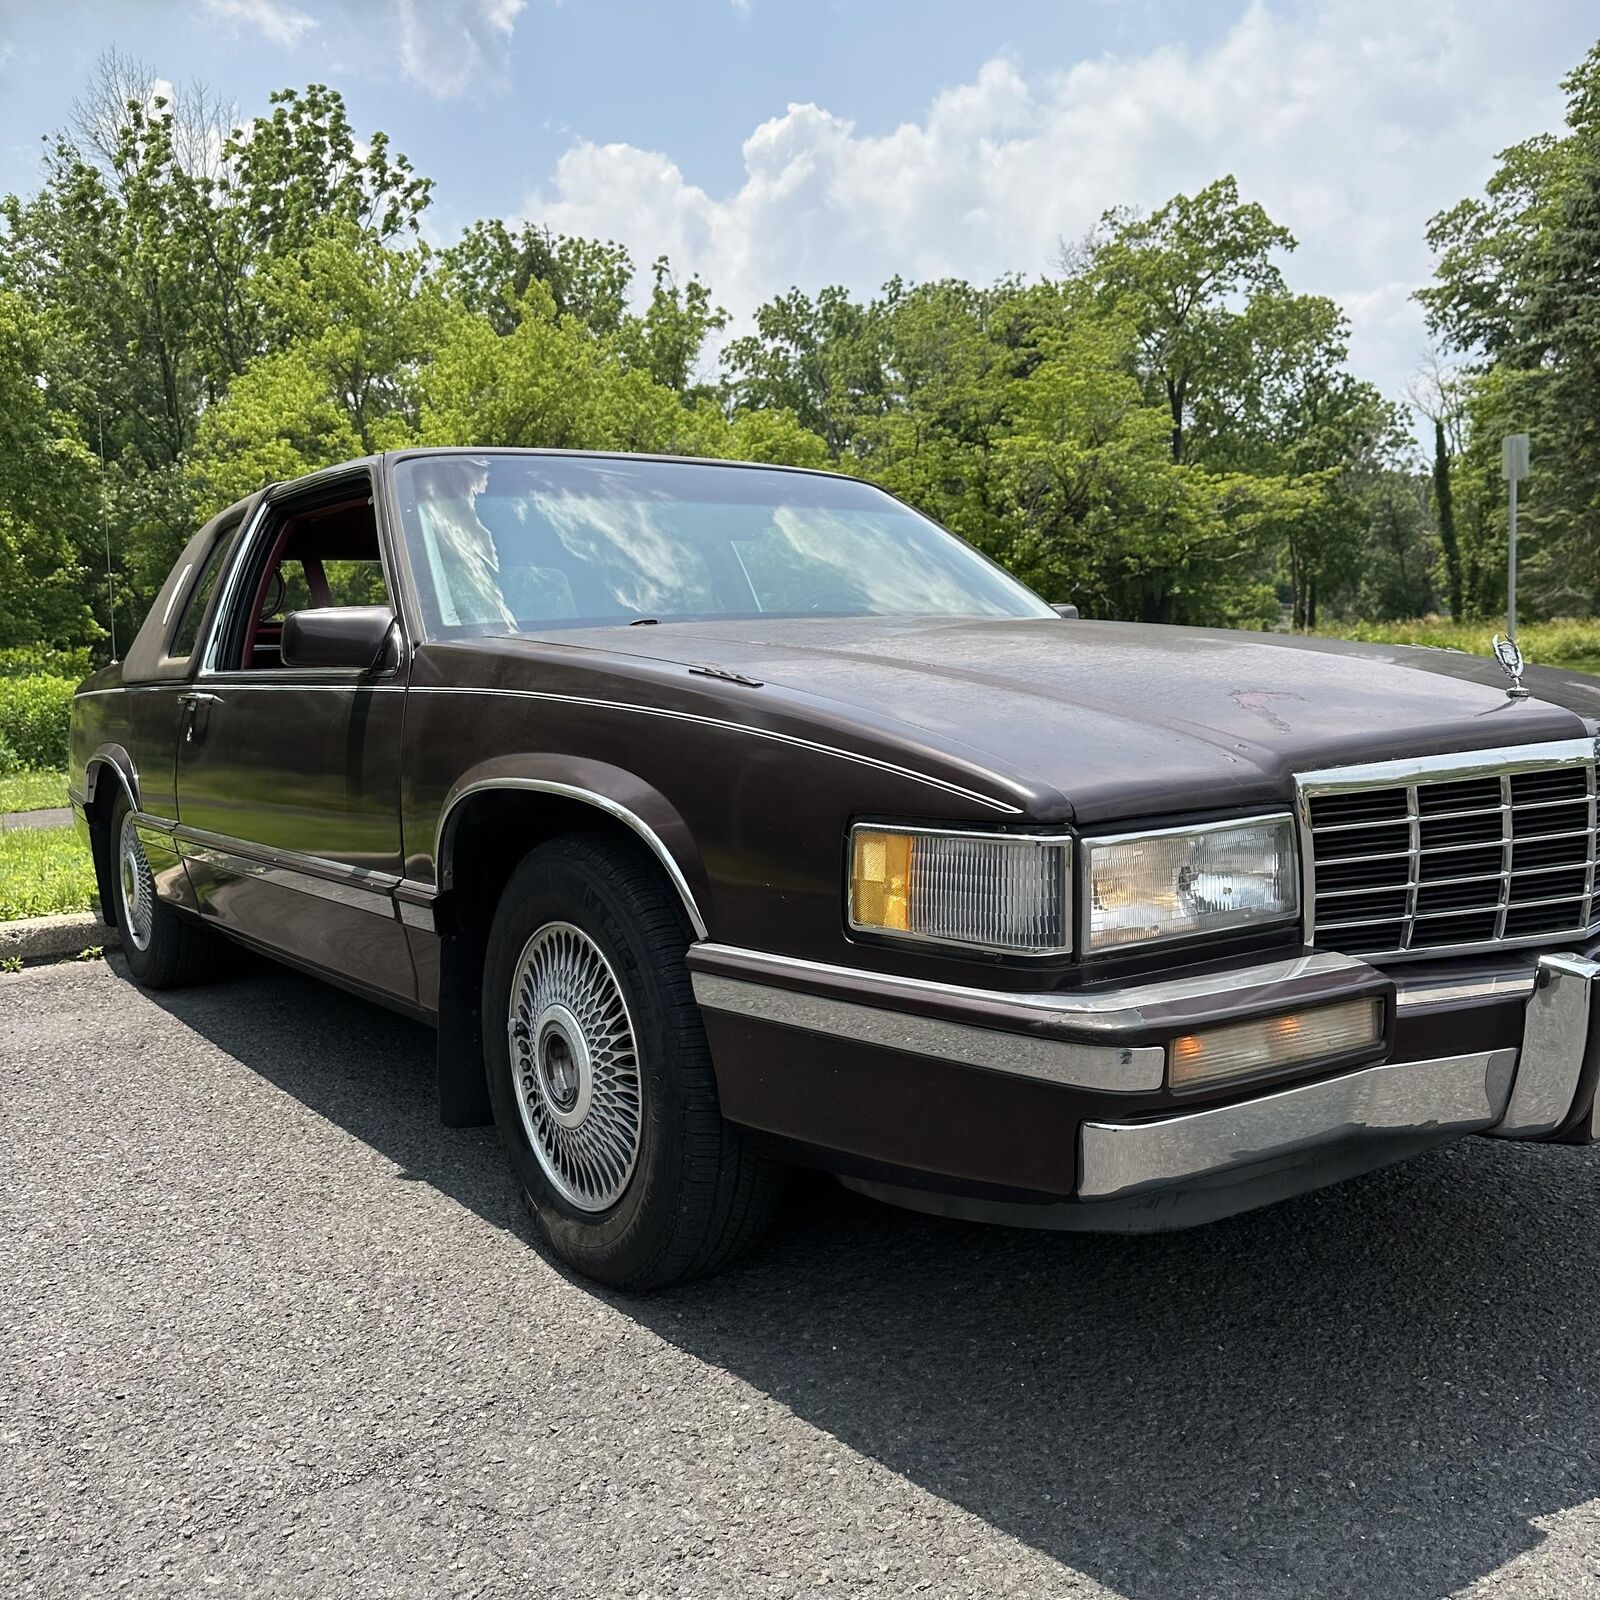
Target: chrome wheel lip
(574,1062)
(136,887)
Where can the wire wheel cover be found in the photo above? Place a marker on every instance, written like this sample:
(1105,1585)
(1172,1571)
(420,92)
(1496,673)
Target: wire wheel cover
(138,886)
(575,1066)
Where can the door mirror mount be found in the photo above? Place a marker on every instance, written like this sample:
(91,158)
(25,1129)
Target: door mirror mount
(349,637)
(1064,609)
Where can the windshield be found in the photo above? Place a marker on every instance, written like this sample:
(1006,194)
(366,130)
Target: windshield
(503,543)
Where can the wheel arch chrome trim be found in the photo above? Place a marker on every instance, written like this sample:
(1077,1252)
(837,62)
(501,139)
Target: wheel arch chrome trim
(121,763)
(590,797)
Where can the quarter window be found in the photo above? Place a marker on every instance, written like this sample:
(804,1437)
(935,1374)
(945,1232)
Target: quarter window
(198,603)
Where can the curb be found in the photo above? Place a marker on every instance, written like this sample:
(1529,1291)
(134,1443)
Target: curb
(50,938)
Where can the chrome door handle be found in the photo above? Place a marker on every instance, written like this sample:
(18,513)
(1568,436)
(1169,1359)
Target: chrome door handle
(197,704)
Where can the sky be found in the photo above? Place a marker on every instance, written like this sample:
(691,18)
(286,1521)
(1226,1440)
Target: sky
(770,143)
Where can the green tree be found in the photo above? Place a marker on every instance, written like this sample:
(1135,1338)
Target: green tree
(1517,294)
(1178,277)
(490,269)
(47,494)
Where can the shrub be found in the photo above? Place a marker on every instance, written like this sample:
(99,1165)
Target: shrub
(33,720)
(34,661)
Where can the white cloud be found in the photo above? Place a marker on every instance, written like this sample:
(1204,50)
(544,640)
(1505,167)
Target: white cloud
(450,46)
(1351,122)
(275,22)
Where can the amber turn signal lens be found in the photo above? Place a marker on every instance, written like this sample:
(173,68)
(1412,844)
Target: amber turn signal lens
(1006,892)
(880,880)
(1263,1043)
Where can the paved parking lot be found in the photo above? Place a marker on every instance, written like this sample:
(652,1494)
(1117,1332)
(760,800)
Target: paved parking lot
(270,1329)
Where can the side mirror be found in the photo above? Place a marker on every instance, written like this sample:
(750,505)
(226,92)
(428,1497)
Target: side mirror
(337,636)
(1064,610)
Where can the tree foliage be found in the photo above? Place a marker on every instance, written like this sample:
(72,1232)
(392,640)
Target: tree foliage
(1516,297)
(193,304)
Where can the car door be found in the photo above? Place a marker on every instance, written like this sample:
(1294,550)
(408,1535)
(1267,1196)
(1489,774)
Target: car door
(288,779)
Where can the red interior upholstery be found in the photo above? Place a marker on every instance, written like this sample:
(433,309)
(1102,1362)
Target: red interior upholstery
(343,532)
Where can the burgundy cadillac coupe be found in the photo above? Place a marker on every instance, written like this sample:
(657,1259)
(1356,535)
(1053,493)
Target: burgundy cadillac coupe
(723,817)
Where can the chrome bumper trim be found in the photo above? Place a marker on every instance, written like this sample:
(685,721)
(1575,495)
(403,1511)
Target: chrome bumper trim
(1103,1011)
(1448,1096)
(1556,1041)
(1115,1068)
(1507,982)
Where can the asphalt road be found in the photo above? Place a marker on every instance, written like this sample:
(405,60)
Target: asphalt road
(270,1330)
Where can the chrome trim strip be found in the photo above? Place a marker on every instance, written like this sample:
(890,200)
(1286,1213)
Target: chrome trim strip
(415,905)
(1463,989)
(737,727)
(243,544)
(177,589)
(1117,1069)
(1056,841)
(1555,1042)
(273,679)
(102,757)
(1457,764)
(315,875)
(1441,1098)
(1103,1011)
(243,680)
(601,803)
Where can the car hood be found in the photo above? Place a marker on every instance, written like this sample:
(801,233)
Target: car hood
(1125,718)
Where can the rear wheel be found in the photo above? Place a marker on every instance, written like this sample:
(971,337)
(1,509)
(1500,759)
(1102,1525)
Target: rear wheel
(164,948)
(600,1076)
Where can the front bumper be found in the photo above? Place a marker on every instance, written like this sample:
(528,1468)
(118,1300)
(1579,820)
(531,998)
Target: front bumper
(1052,1109)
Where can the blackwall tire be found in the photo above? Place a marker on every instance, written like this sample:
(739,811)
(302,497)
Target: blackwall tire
(164,949)
(600,1077)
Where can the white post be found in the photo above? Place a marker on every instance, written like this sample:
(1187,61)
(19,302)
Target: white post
(1513,468)
(1511,577)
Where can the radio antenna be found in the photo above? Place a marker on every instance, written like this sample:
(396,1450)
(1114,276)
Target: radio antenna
(105,528)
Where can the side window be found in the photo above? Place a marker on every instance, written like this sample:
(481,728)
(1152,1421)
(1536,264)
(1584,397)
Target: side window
(324,553)
(199,601)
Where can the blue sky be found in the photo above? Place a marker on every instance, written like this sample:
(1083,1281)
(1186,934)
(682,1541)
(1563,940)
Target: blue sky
(769,142)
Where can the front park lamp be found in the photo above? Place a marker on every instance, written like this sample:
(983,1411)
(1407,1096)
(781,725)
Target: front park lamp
(1175,883)
(1008,893)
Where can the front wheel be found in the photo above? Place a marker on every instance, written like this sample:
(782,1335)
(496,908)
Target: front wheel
(600,1076)
(164,948)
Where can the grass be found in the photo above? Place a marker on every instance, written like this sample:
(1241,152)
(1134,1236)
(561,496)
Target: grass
(33,791)
(43,871)
(1564,641)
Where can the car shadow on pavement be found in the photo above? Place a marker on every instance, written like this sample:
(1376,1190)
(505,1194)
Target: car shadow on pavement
(1374,1390)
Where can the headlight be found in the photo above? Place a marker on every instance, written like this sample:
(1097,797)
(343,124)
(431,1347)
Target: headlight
(1182,881)
(1003,892)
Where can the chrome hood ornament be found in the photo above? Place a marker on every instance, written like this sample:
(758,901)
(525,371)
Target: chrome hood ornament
(1509,654)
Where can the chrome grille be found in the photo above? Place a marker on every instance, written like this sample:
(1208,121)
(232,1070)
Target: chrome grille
(1438,854)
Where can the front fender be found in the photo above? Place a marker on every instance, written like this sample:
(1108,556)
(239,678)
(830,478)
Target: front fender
(611,790)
